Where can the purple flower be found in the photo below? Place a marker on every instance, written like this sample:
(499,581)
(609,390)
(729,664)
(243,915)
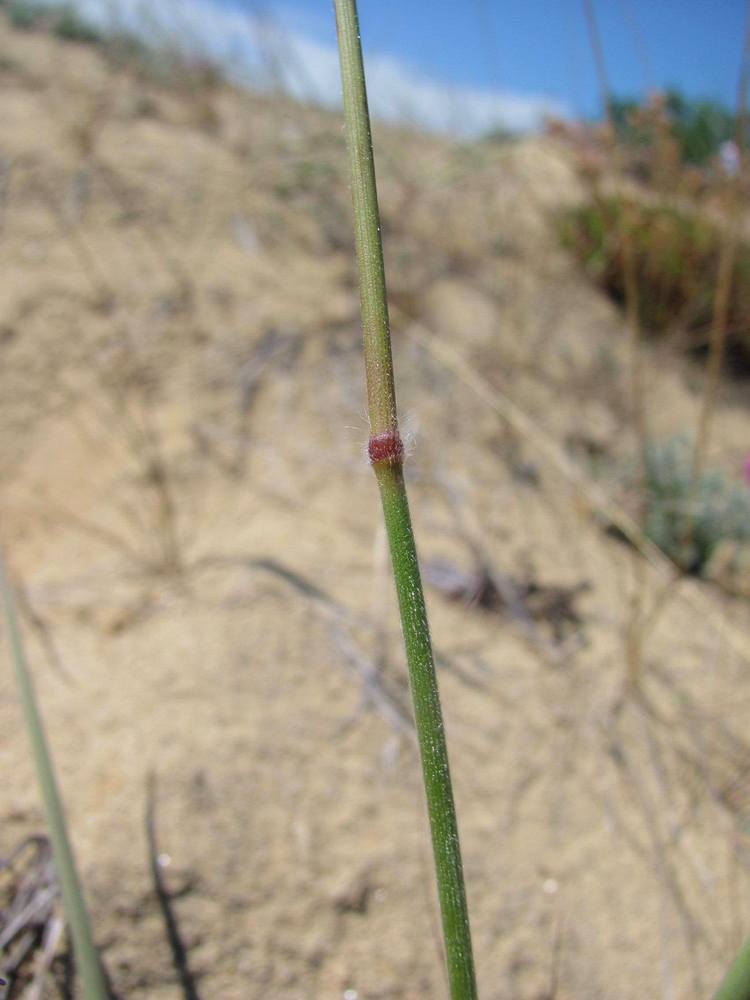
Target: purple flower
(747,469)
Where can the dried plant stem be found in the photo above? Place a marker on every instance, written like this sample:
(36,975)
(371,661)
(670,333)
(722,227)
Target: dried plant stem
(725,273)
(736,983)
(633,631)
(87,958)
(386,455)
(629,273)
(727,257)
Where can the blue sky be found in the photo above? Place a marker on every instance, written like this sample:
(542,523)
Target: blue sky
(460,65)
(541,46)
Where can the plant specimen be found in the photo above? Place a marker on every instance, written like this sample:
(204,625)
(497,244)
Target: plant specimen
(387,456)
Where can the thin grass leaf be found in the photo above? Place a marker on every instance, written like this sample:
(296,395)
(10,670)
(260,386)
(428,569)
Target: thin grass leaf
(87,957)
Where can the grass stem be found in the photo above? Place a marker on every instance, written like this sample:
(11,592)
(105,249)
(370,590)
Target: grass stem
(87,958)
(736,983)
(386,454)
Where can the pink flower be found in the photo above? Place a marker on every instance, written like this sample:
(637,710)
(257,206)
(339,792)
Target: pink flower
(747,469)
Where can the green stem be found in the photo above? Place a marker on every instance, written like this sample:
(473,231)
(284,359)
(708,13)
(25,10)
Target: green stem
(430,732)
(87,958)
(381,393)
(386,454)
(736,984)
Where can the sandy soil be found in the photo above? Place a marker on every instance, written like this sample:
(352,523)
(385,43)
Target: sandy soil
(187,505)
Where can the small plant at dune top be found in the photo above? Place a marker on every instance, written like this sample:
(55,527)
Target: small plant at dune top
(689,518)
(387,455)
(676,261)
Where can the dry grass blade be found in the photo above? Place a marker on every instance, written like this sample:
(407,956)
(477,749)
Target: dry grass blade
(29,923)
(52,934)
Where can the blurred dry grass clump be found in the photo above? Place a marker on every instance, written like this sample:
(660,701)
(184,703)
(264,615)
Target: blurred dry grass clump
(665,184)
(677,253)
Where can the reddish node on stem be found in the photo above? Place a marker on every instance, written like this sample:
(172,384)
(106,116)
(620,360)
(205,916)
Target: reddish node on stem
(386,447)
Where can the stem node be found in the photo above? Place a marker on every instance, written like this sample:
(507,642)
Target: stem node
(386,448)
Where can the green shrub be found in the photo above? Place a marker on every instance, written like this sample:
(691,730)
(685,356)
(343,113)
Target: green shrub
(686,521)
(25,14)
(676,259)
(699,127)
(71,26)
(64,21)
